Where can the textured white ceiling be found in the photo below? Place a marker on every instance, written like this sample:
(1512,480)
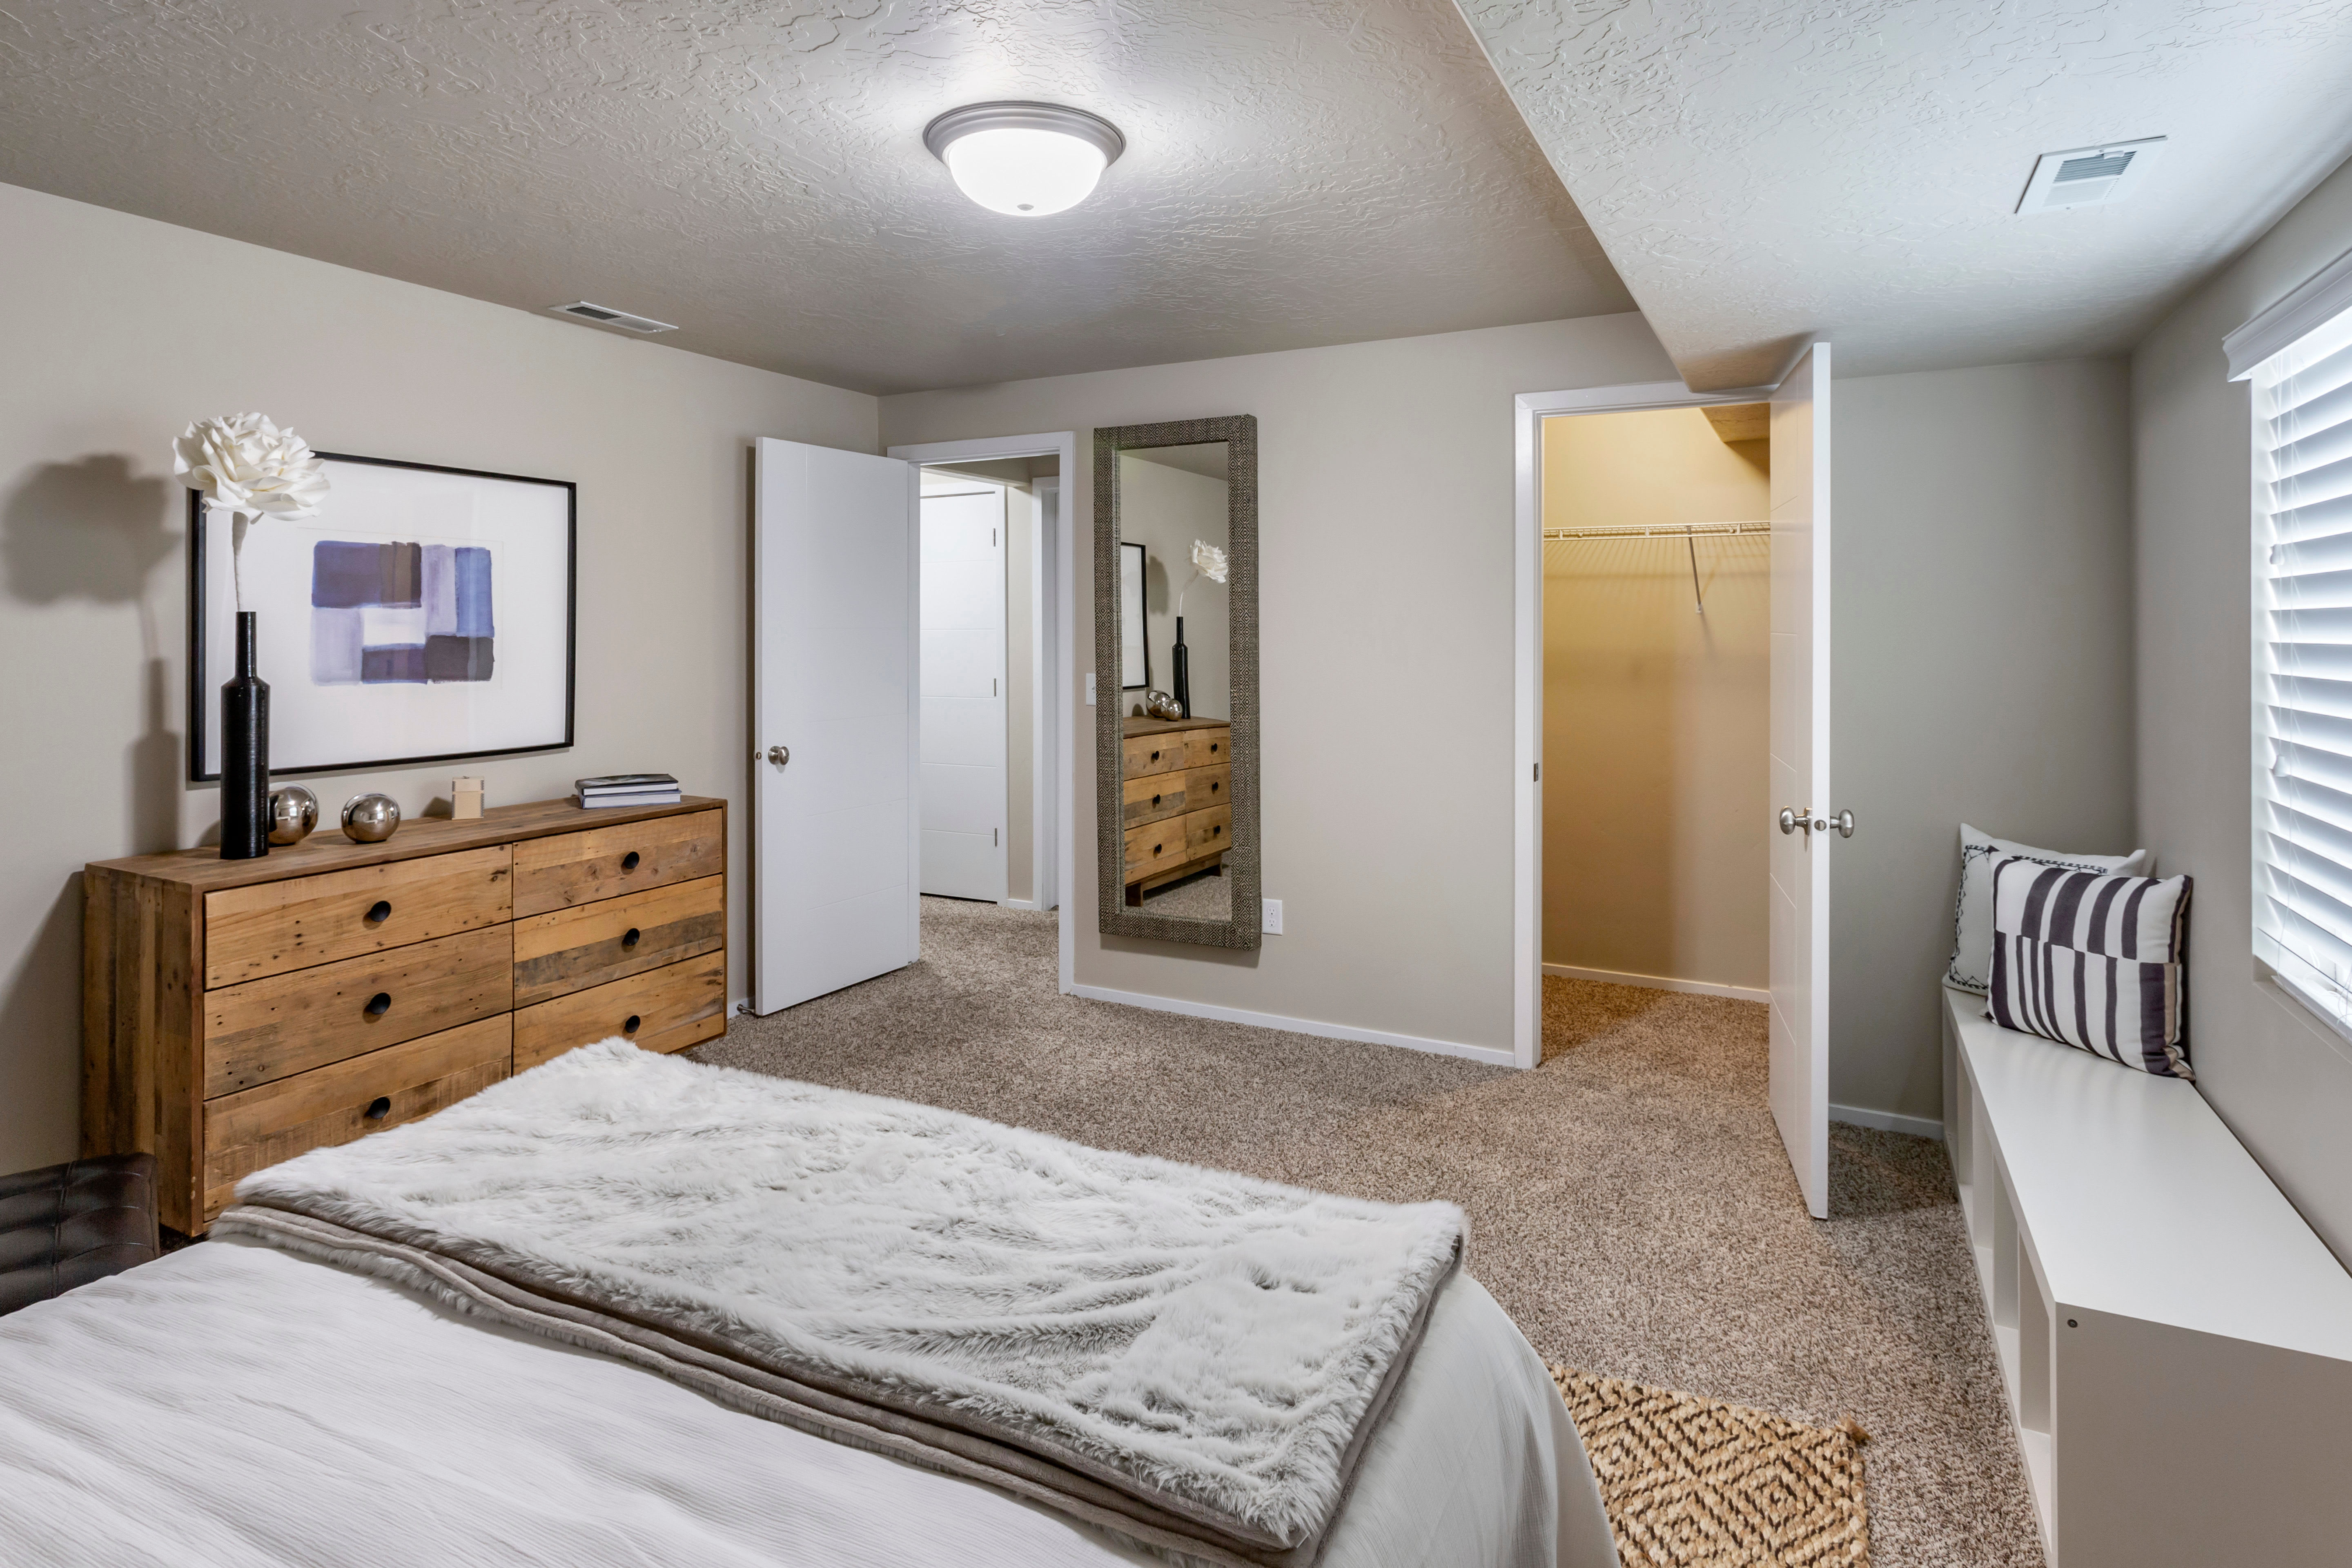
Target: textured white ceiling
(1766,170)
(1299,172)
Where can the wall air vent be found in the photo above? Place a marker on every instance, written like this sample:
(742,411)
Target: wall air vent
(606,318)
(2088,176)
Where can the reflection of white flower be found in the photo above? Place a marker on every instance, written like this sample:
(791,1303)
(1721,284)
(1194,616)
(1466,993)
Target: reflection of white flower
(1209,562)
(242,463)
(249,468)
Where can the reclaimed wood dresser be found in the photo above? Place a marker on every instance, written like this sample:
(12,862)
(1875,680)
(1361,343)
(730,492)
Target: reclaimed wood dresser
(235,1013)
(1177,778)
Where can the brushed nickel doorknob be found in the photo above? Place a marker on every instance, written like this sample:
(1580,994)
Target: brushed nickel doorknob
(780,755)
(1793,817)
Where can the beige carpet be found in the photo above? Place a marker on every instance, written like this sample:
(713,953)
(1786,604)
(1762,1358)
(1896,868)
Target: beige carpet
(1629,1201)
(1692,1482)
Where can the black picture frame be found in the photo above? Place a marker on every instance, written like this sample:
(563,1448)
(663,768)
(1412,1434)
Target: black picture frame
(1142,577)
(203,690)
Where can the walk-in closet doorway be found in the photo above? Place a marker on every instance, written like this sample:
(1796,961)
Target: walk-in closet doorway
(1665,849)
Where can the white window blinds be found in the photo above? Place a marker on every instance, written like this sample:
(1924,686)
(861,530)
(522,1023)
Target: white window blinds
(2303,664)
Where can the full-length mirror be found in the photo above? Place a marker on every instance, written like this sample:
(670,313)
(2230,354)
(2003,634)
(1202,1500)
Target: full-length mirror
(1176,616)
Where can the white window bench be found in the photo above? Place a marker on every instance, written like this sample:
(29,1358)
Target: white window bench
(2176,1341)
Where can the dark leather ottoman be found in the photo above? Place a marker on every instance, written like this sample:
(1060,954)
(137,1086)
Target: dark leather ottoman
(63,1226)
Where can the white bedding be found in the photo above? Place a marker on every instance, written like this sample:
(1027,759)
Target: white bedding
(232,1404)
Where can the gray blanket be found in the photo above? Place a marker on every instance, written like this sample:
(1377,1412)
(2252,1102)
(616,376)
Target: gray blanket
(1191,1358)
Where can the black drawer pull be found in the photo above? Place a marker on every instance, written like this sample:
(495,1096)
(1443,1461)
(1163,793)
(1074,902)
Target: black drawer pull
(629,861)
(379,1004)
(1155,800)
(630,938)
(381,913)
(631,1026)
(379,1108)
(1155,757)
(1214,786)
(1217,829)
(1155,848)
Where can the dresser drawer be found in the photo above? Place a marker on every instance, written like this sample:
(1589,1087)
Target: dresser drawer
(1152,796)
(1154,848)
(1211,748)
(1208,832)
(249,1131)
(573,950)
(269,1029)
(272,928)
(568,869)
(661,1010)
(1151,754)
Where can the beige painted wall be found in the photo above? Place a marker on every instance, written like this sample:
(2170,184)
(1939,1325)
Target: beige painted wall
(1656,718)
(1385,505)
(1165,510)
(126,329)
(1980,671)
(2282,1080)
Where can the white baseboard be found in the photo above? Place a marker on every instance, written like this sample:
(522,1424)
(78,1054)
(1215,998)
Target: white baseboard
(1496,1056)
(1659,982)
(1017,903)
(1888,1121)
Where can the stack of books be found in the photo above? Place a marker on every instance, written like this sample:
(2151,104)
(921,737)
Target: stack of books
(628,789)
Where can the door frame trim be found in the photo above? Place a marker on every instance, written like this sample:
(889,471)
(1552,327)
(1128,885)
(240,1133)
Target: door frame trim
(1051,743)
(1529,410)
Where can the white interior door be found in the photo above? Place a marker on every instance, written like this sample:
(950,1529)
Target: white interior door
(834,819)
(1801,772)
(963,696)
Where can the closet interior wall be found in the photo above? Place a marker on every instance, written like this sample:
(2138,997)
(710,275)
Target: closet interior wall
(1656,762)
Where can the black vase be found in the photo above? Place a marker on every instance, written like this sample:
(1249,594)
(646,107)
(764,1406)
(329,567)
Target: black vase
(245,753)
(1178,657)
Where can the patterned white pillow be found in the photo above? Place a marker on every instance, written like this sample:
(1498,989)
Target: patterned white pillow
(1971,965)
(2095,961)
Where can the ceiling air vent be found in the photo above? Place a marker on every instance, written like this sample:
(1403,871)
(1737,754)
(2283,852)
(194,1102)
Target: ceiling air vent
(2088,176)
(605,318)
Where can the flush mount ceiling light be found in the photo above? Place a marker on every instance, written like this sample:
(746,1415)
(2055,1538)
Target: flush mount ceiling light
(1026,160)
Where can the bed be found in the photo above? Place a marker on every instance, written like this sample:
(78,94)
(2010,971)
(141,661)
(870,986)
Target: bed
(240,1402)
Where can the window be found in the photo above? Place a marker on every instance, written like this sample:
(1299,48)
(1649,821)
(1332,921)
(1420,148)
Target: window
(2302,665)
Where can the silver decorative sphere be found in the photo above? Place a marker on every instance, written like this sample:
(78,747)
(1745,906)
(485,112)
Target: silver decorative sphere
(293,813)
(1160,705)
(370,818)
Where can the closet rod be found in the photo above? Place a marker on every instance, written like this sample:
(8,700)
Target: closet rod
(1677,531)
(1688,532)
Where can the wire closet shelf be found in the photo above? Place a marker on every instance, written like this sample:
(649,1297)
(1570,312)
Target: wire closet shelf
(1688,532)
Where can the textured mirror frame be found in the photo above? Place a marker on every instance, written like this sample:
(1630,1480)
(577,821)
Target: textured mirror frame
(1245,929)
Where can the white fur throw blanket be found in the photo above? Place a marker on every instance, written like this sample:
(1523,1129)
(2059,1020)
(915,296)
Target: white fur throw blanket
(1191,1358)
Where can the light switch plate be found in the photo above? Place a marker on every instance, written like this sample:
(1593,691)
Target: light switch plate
(1272,924)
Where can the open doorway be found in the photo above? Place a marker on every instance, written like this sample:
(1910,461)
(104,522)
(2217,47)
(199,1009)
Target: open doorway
(1799,800)
(1657,698)
(993,720)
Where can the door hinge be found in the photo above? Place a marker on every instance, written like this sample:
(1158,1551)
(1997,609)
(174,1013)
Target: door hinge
(992,837)
(1537,777)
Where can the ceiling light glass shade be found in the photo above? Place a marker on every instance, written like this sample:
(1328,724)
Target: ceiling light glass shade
(1025,160)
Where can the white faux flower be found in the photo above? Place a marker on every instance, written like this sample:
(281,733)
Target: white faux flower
(243,464)
(1208,561)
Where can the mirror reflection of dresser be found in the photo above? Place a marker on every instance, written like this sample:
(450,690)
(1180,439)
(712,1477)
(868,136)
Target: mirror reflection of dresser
(1177,813)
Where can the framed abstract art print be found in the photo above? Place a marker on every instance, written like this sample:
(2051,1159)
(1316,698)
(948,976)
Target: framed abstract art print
(425,614)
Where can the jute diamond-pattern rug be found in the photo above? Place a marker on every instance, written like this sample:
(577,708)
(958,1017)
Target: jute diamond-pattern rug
(1697,1483)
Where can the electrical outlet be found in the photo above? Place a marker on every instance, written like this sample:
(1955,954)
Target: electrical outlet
(1272,924)
(1090,691)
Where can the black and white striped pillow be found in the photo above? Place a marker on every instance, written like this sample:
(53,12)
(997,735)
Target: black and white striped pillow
(2096,962)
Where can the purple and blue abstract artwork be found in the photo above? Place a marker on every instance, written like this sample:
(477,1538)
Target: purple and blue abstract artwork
(399,613)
